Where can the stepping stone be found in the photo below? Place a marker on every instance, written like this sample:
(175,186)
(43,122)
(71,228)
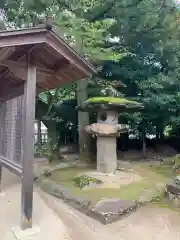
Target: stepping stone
(110,210)
(173,188)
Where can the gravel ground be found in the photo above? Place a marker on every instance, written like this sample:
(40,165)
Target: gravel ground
(148,223)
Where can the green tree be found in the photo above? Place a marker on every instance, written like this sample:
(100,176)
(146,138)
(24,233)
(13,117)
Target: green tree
(88,38)
(135,43)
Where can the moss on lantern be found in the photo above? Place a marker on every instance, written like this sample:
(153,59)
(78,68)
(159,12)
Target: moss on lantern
(109,100)
(109,103)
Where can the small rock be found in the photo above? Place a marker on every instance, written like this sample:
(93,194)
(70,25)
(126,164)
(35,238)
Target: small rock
(124,166)
(177,179)
(173,188)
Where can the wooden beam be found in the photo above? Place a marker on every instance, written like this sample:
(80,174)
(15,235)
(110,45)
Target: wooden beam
(60,46)
(6,72)
(41,36)
(19,69)
(19,38)
(28,147)
(5,53)
(12,166)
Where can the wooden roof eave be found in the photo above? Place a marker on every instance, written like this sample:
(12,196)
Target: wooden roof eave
(64,61)
(53,40)
(40,35)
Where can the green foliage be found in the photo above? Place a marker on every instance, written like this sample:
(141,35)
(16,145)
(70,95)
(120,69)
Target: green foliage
(46,151)
(88,38)
(47,173)
(42,152)
(84,180)
(134,42)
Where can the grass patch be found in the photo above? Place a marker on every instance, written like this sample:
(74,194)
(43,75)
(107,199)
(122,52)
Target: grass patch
(127,192)
(151,175)
(164,170)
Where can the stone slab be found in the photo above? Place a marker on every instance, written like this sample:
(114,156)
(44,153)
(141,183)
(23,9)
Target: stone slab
(26,234)
(173,188)
(110,210)
(64,193)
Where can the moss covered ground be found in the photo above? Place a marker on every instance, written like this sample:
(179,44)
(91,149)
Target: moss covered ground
(151,175)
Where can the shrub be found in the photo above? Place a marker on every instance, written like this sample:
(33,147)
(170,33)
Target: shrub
(84,180)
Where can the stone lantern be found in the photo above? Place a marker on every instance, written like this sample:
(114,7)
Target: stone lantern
(107,128)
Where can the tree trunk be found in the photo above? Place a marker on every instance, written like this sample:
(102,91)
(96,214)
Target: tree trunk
(53,143)
(178,140)
(53,134)
(159,133)
(83,120)
(144,146)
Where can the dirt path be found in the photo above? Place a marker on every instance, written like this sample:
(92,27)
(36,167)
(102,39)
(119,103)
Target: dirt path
(148,223)
(80,226)
(43,216)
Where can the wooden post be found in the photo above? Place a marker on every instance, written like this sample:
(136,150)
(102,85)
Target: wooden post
(2,109)
(28,147)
